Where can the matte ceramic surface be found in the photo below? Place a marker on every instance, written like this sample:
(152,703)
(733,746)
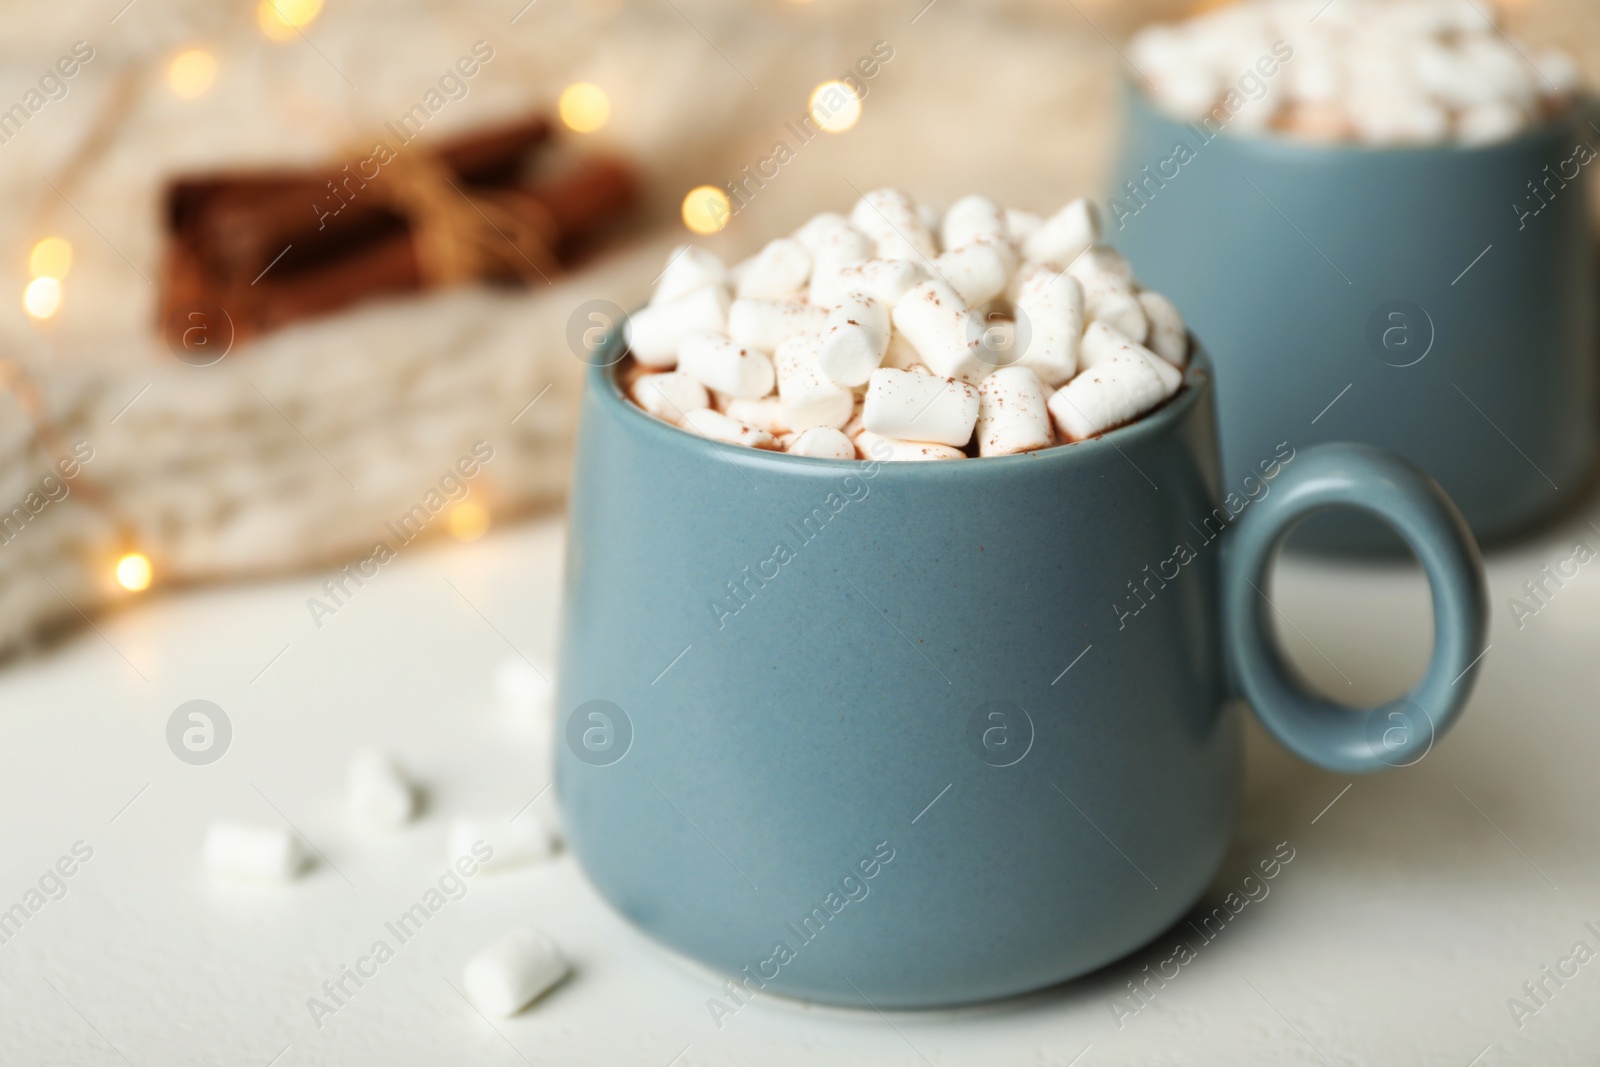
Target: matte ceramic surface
(905,733)
(1287,259)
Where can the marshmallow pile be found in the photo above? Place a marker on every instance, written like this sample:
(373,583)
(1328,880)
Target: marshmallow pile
(1376,71)
(900,333)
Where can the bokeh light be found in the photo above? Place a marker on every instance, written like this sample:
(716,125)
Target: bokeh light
(281,20)
(134,572)
(42,297)
(584,107)
(835,107)
(469,520)
(50,258)
(706,209)
(191,73)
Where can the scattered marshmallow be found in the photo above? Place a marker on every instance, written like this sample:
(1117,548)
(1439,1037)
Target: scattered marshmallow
(1376,71)
(377,796)
(859,336)
(511,843)
(250,853)
(513,972)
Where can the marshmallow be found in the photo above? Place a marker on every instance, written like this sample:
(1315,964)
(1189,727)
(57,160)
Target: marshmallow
(885,279)
(901,355)
(654,331)
(1168,337)
(717,363)
(1113,393)
(249,853)
(920,407)
(688,268)
(891,219)
(1110,298)
(766,324)
(1380,71)
(1102,259)
(819,228)
(835,250)
(718,427)
(1050,316)
(978,272)
(669,396)
(1012,416)
(939,326)
(781,268)
(870,445)
(971,219)
(1102,343)
(1065,235)
(1022,225)
(765,414)
(914,354)
(822,442)
(511,843)
(377,795)
(809,398)
(512,973)
(857,336)
(1491,121)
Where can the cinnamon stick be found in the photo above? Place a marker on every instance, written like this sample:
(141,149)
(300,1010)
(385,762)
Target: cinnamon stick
(242,223)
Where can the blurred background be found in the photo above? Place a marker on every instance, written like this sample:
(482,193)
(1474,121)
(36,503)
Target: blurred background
(263,360)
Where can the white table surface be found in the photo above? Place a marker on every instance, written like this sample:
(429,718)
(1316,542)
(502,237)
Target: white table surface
(1415,905)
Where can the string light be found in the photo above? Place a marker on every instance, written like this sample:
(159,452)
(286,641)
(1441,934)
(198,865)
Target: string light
(835,106)
(706,209)
(50,258)
(134,572)
(191,73)
(281,20)
(468,521)
(584,106)
(42,297)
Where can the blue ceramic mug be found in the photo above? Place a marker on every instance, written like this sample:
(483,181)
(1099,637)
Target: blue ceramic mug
(915,734)
(1436,301)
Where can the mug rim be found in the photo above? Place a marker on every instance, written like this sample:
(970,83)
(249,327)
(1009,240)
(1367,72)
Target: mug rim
(1197,378)
(1271,146)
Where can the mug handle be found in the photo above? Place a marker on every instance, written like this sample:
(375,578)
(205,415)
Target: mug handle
(1317,729)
